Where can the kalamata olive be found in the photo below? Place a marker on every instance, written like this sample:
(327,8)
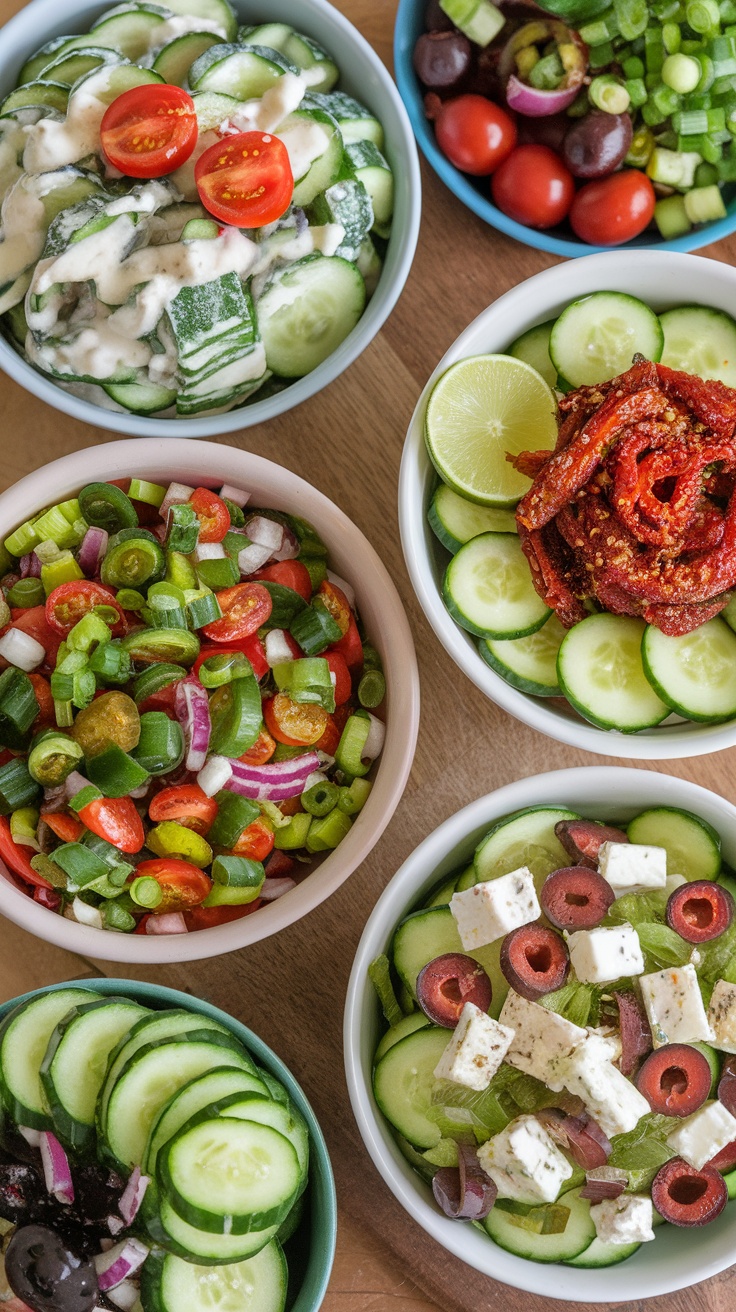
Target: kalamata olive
(534,960)
(98,1191)
(46,1275)
(576,897)
(446,983)
(582,839)
(549,131)
(441,59)
(688,1197)
(636,1035)
(727,1085)
(700,911)
(675,1079)
(596,144)
(435,18)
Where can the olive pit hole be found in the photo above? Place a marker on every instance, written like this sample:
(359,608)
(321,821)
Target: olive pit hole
(539,958)
(699,912)
(674,1080)
(687,1189)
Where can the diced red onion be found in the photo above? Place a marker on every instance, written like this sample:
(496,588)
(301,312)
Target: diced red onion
(31,1136)
(21,649)
(119,1263)
(266,532)
(235,494)
(56,1170)
(125,1295)
(30,566)
(272,782)
(290,546)
(344,586)
(192,707)
(529,100)
(464,1192)
(93,548)
(114,1224)
(176,495)
(74,783)
(160,531)
(604,1182)
(209,551)
(580,1135)
(171,922)
(272,889)
(533,103)
(133,1195)
(253,557)
(636,1035)
(316,777)
(277,647)
(375,740)
(214,775)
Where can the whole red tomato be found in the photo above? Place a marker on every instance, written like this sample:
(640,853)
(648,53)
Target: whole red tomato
(533,186)
(474,134)
(613,209)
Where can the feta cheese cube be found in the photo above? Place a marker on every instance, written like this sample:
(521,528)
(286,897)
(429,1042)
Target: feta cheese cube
(700,1136)
(492,909)
(524,1162)
(541,1041)
(674,1006)
(612,1100)
(475,1051)
(599,956)
(623,1220)
(632,867)
(722,1015)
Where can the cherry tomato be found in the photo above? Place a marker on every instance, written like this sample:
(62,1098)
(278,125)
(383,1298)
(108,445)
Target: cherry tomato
(116,819)
(17,858)
(70,602)
(255,842)
(330,738)
(32,620)
(149,131)
(245,608)
(211,917)
(335,601)
(163,700)
(343,681)
(296,724)
(349,647)
(46,718)
(185,803)
(251,647)
(183,884)
(66,827)
(261,751)
(613,209)
(280,864)
(245,179)
(212,513)
(289,574)
(533,186)
(474,134)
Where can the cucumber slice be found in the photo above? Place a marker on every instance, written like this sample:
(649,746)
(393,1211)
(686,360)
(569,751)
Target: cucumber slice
(699,340)
(529,664)
(533,348)
(169,1284)
(194,1097)
(129,29)
(218,12)
(600,671)
(309,56)
(488,588)
(596,337)
(403,1081)
(455,520)
(373,171)
(578,1234)
(116,79)
(24,1038)
(245,72)
(527,838)
(356,123)
(316,152)
(69,66)
(431,933)
(600,1253)
(441,897)
(213,108)
(272,35)
(693,846)
(53,94)
(141,398)
(407,1025)
(479,20)
(186,1241)
(262,1110)
(230,1176)
(175,59)
(39,61)
(731,1184)
(696,673)
(307,310)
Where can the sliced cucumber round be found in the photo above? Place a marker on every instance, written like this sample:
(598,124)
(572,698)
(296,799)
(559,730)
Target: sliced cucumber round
(245,72)
(416,1021)
(693,846)
(600,1254)
(488,588)
(525,839)
(694,674)
(177,1236)
(403,1080)
(441,896)
(175,59)
(579,1233)
(596,338)
(600,671)
(218,12)
(529,664)
(700,340)
(307,311)
(24,1038)
(53,94)
(194,1097)
(169,1284)
(533,348)
(455,520)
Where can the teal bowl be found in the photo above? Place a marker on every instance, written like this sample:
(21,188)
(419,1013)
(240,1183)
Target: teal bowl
(312,1249)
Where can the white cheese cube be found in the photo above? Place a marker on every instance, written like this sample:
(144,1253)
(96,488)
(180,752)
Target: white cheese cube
(492,909)
(674,1006)
(623,1220)
(599,956)
(542,1039)
(632,867)
(722,1015)
(475,1051)
(612,1049)
(612,1100)
(700,1136)
(524,1162)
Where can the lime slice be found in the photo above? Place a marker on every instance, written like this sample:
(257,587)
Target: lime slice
(480,410)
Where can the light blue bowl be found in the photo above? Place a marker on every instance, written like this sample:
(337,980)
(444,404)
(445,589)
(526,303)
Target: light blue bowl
(558,241)
(363,76)
(311,1261)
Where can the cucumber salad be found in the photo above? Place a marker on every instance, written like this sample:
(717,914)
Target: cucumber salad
(192,213)
(559,1059)
(588,500)
(188,711)
(146,1162)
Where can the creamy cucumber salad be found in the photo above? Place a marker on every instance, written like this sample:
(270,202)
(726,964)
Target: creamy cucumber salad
(192,213)
(559,1062)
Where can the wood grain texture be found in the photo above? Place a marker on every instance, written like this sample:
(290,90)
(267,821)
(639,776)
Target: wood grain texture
(348,442)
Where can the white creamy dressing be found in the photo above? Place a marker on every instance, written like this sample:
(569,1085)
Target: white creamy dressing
(304,140)
(50,144)
(180,25)
(24,223)
(183,178)
(12,140)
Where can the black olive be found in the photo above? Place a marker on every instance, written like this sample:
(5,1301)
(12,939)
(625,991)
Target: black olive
(596,144)
(441,59)
(46,1275)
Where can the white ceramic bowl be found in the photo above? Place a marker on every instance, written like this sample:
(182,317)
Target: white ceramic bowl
(663,280)
(676,1258)
(362,75)
(352,556)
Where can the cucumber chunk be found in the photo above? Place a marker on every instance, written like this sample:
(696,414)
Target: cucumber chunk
(525,839)
(578,1234)
(699,340)
(175,59)
(307,310)
(693,847)
(416,1021)
(694,674)
(533,348)
(431,933)
(24,1038)
(488,588)
(600,671)
(188,1242)
(403,1080)
(245,72)
(309,56)
(322,163)
(169,1284)
(455,520)
(373,171)
(596,338)
(219,12)
(53,94)
(600,1254)
(141,398)
(193,1098)
(529,664)
(356,123)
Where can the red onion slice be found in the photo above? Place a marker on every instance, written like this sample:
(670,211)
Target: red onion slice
(275,888)
(447,1190)
(604,1182)
(56,1170)
(534,103)
(74,783)
(119,1263)
(273,782)
(290,546)
(30,566)
(580,1135)
(464,1192)
(93,548)
(133,1195)
(192,708)
(170,922)
(636,1035)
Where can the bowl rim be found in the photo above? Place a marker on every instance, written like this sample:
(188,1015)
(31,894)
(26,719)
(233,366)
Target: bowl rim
(18,34)
(462,187)
(225,463)
(322,1181)
(671,743)
(415,876)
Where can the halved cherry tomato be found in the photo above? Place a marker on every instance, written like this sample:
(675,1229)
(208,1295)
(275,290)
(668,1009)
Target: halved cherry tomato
(116,819)
(335,601)
(70,602)
(17,858)
(32,620)
(211,917)
(245,608)
(330,738)
(66,827)
(212,513)
(349,647)
(251,647)
(245,179)
(255,842)
(296,724)
(289,574)
(150,130)
(185,803)
(163,700)
(46,718)
(343,685)
(183,884)
(261,751)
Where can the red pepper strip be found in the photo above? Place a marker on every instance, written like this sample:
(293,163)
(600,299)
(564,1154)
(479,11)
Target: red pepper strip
(16,858)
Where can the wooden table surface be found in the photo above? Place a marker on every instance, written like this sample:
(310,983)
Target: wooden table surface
(348,442)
